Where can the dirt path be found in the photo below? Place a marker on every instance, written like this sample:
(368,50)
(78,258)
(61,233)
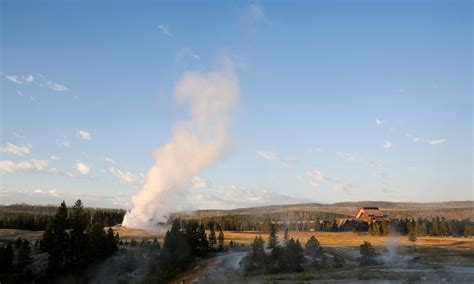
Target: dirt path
(218,269)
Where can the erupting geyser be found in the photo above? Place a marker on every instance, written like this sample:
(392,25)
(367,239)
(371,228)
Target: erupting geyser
(195,144)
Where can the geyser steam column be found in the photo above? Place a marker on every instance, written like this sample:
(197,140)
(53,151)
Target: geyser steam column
(195,144)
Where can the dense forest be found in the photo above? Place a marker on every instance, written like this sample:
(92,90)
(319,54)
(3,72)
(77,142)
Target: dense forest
(72,240)
(37,217)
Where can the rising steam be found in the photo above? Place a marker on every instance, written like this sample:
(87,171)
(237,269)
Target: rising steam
(195,144)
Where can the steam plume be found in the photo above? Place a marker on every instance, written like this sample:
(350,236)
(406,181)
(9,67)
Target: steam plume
(195,144)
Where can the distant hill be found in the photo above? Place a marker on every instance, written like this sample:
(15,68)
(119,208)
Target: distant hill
(449,210)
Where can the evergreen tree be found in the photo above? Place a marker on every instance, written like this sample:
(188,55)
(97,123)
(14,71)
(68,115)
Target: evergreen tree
(412,232)
(212,235)
(78,223)
(57,254)
(256,261)
(220,239)
(6,257)
(98,247)
(111,242)
(46,242)
(368,254)
(285,238)
(339,261)
(273,238)
(313,248)
(18,242)
(24,255)
(294,256)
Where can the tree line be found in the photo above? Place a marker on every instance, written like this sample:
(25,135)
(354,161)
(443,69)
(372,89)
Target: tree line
(71,239)
(36,218)
(423,227)
(294,220)
(289,257)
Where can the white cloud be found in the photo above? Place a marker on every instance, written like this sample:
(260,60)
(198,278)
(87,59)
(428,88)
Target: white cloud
(164,30)
(14,79)
(437,141)
(199,182)
(256,11)
(431,142)
(207,195)
(64,142)
(184,53)
(379,121)
(38,190)
(28,78)
(54,158)
(275,157)
(387,145)
(109,160)
(126,176)
(317,178)
(56,87)
(85,135)
(16,150)
(36,166)
(82,168)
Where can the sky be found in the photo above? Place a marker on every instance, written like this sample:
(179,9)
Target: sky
(338,100)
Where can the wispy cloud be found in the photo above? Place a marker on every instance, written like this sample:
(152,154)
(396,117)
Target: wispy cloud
(16,150)
(387,145)
(431,142)
(84,135)
(64,142)
(354,158)
(56,86)
(127,176)
(109,160)
(54,158)
(14,79)
(256,10)
(317,178)
(20,79)
(36,166)
(184,53)
(275,157)
(82,168)
(379,121)
(164,30)
(437,141)
(209,195)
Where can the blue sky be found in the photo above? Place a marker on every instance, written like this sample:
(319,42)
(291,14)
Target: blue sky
(338,100)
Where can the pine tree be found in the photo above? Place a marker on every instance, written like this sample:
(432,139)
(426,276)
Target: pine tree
(411,232)
(313,248)
(6,257)
(24,255)
(220,239)
(285,238)
(368,254)
(78,237)
(273,238)
(97,242)
(256,260)
(46,242)
(212,235)
(57,254)
(338,261)
(156,244)
(111,242)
